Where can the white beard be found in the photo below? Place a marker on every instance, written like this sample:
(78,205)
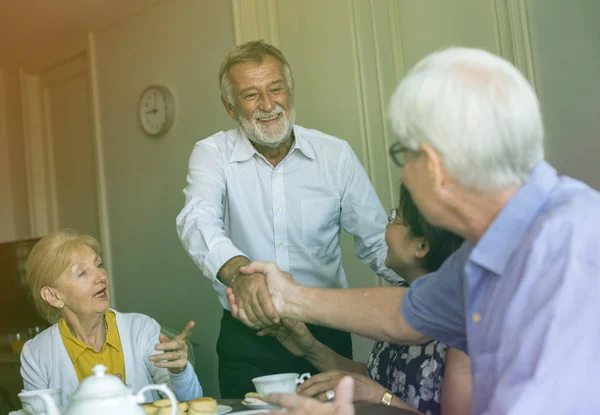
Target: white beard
(271,136)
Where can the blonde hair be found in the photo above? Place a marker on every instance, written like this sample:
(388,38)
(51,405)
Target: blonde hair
(48,259)
(252,51)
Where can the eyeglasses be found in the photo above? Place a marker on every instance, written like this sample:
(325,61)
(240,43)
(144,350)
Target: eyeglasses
(397,151)
(392,216)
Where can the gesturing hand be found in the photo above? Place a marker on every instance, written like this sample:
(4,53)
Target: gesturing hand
(301,405)
(175,351)
(293,335)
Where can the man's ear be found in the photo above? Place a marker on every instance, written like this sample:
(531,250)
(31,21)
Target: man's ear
(422,248)
(440,179)
(229,108)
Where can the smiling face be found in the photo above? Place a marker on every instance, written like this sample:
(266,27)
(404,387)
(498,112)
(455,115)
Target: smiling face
(84,286)
(262,101)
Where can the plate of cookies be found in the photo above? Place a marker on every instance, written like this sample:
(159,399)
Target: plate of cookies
(200,406)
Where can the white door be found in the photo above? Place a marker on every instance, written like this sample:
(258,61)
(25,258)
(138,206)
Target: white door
(62,163)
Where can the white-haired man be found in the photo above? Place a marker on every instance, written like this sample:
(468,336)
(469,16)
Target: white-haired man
(522,295)
(273,191)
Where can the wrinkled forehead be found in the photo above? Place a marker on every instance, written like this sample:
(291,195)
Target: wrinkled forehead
(253,72)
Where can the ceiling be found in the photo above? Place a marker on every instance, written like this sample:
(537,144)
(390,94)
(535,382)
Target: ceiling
(32,27)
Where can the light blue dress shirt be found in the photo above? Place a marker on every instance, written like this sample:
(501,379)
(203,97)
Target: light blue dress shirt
(524,302)
(237,203)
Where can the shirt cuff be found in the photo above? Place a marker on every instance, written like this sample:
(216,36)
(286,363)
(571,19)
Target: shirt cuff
(390,276)
(185,384)
(217,257)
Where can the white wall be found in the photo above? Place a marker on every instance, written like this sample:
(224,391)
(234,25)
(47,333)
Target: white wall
(566,50)
(179,44)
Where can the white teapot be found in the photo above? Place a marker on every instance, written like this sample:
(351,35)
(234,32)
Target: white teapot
(103,394)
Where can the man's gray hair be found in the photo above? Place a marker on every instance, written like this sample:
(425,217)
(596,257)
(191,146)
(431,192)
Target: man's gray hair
(477,110)
(252,51)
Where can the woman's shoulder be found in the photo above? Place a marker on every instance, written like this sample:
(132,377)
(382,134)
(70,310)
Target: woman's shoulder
(135,321)
(41,342)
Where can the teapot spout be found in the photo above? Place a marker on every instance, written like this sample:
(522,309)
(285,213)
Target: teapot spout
(51,408)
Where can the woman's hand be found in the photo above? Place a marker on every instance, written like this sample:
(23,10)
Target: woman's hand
(300,405)
(175,351)
(293,335)
(365,389)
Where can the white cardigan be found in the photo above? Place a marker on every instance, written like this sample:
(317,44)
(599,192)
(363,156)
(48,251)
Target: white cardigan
(45,362)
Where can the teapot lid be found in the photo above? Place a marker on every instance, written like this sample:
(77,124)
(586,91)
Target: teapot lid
(101,385)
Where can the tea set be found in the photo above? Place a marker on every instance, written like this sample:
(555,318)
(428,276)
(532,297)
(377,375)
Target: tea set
(102,394)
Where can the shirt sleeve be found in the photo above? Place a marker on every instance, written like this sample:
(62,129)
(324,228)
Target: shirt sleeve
(551,367)
(184,385)
(363,216)
(200,224)
(434,303)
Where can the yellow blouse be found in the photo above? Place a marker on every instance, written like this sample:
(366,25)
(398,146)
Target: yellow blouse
(84,357)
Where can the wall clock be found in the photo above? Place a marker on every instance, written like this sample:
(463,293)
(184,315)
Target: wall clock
(156,110)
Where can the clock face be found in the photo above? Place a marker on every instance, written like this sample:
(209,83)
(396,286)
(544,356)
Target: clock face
(156,110)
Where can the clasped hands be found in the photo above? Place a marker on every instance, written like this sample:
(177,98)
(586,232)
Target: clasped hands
(256,296)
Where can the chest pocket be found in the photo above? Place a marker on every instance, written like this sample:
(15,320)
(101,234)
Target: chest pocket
(320,222)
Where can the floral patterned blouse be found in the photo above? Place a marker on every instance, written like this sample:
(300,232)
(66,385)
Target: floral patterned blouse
(413,373)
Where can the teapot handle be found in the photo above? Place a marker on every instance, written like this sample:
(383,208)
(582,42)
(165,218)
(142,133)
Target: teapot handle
(139,397)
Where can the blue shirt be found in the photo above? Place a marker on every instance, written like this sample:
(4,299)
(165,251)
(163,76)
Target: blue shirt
(524,302)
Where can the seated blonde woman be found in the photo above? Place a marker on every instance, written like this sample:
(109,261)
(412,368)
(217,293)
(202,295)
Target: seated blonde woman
(431,377)
(70,289)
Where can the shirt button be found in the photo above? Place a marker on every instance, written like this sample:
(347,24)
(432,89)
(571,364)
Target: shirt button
(278,210)
(280,244)
(476,317)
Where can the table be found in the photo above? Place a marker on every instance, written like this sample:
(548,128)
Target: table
(361,408)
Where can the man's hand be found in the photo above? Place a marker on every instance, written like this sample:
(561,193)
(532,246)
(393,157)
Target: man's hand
(300,405)
(278,284)
(365,389)
(253,302)
(293,335)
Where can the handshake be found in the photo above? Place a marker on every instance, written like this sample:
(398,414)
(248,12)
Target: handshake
(263,296)
(268,298)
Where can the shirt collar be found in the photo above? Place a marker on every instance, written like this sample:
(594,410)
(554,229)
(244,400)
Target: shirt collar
(303,145)
(244,150)
(502,238)
(77,347)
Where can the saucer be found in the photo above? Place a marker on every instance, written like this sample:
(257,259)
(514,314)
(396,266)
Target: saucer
(224,409)
(60,410)
(263,405)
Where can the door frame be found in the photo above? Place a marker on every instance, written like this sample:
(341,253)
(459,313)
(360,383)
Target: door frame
(39,157)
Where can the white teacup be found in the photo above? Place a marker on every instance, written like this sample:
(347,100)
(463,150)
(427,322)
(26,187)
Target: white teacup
(33,404)
(280,383)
